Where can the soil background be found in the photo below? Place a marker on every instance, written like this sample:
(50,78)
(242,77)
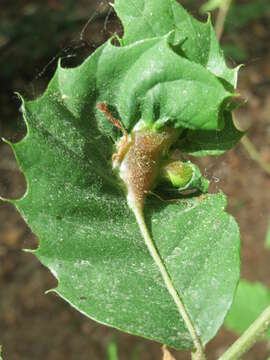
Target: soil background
(33,34)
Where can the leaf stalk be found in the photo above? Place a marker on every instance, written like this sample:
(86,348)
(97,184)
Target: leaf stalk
(255,155)
(250,336)
(221,17)
(199,354)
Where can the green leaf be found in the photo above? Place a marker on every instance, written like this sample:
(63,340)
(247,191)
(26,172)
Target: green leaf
(145,81)
(205,143)
(76,204)
(150,18)
(250,301)
(89,237)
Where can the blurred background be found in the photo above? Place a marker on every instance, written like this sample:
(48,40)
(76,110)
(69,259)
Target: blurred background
(33,35)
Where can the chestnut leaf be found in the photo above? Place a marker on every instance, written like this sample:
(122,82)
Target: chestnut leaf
(169,71)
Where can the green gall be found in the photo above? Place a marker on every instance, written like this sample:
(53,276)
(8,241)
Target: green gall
(184,176)
(178,173)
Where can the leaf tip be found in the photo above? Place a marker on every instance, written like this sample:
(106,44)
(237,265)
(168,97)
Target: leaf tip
(50,291)
(209,18)
(6,200)
(30,251)
(59,64)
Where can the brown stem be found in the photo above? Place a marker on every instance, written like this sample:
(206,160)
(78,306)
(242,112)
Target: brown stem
(166,354)
(255,155)
(221,17)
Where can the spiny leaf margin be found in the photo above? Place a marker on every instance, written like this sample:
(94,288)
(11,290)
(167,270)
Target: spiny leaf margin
(68,139)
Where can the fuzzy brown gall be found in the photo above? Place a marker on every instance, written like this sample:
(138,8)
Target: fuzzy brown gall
(138,158)
(140,168)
